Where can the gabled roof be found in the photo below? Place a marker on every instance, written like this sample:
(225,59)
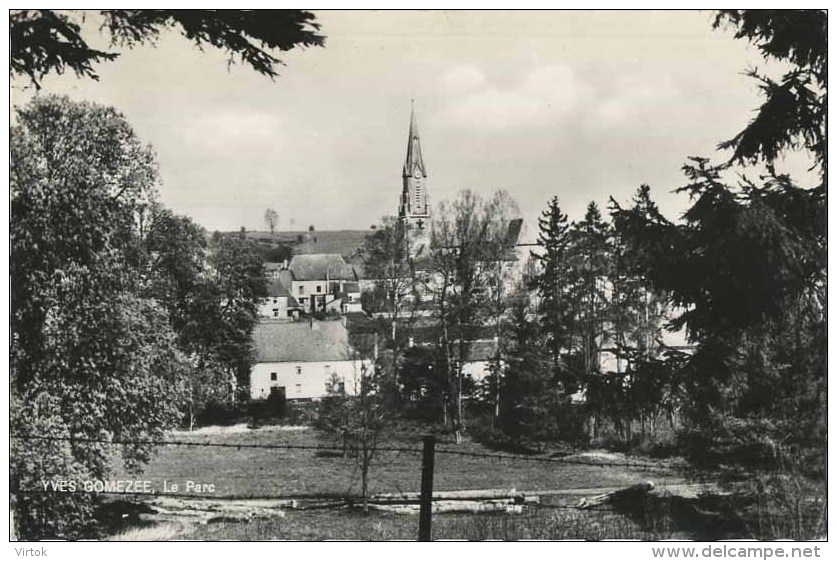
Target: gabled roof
(301,342)
(276,288)
(319,266)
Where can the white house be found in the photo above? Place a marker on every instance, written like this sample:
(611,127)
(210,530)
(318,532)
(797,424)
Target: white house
(298,360)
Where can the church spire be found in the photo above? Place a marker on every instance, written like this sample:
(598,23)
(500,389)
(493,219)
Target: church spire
(414,206)
(414,160)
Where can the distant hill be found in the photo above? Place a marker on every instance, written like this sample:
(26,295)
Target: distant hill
(345,242)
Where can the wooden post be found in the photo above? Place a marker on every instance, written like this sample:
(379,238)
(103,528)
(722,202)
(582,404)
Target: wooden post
(426,500)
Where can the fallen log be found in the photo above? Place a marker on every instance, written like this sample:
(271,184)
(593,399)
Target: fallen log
(468,494)
(450,506)
(632,492)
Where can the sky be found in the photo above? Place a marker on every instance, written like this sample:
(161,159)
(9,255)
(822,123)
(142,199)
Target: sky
(582,105)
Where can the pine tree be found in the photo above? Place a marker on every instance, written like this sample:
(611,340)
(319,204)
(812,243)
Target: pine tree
(552,283)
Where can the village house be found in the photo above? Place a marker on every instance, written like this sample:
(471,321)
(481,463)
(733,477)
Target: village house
(319,281)
(299,360)
(280,303)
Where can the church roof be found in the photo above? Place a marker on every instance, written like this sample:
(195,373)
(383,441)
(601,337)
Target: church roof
(414,158)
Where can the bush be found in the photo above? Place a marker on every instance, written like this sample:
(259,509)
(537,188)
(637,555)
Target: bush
(223,414)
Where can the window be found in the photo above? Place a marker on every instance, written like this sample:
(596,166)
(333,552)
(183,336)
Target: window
(276,312)
(274,300)
(273,376)
(301,289)
(299,370)
(319,289)
(299,388)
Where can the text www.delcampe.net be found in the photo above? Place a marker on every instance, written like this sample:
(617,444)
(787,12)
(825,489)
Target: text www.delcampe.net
(730,551)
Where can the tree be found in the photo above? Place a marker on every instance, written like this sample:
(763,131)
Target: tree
(464,243)
(210,290)
(230,313)
(47,41)
(499,272)
(271,218)
(794,113)
(530,395)
(553,283)
(387,258)
(360,412)
(589,264)
(748,265)
(92,358)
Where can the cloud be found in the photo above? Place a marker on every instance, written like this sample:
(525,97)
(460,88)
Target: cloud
(233,127)
(461,78)
(631,99)
(541,97)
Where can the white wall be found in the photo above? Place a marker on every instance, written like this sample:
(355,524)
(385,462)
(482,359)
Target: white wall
(305,289)
(309,383)
(267,305)
(477,369)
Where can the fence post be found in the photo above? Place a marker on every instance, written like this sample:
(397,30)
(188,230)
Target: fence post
(426,503)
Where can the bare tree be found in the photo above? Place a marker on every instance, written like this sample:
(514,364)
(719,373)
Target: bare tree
(359,410)
(271,218)
(466,242)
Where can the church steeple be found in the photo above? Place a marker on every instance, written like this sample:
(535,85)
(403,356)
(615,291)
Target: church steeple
(414,159)
(413,206)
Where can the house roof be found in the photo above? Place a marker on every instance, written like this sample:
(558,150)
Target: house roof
(301,341)
(481,351)
(319,266)
(276,288)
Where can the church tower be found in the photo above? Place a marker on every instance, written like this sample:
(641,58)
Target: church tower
(413,206)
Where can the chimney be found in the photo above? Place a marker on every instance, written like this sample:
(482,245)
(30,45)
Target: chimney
(411,342)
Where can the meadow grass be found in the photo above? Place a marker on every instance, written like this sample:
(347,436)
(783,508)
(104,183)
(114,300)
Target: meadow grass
(271,472)
(274,472)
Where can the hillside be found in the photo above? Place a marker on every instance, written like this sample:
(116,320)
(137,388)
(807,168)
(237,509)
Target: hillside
(344,242)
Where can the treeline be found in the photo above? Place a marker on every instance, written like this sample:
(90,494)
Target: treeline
(742,274)
(126,320)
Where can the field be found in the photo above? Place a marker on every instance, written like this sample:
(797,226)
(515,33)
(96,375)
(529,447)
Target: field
(243,473)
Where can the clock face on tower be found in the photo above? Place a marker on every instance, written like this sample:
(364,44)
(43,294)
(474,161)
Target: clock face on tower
(417,173)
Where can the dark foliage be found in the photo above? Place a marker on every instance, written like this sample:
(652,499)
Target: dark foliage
(47,41)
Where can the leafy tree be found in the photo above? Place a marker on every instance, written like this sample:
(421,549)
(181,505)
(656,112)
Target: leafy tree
(91,357)
(210,289)
(230,299)
(271,218)
(46,41)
